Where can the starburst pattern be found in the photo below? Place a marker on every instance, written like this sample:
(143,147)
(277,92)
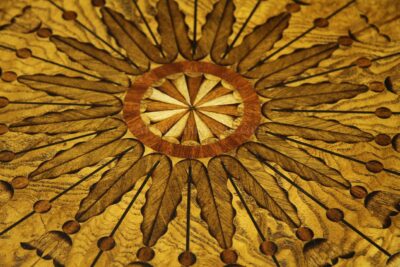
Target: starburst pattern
(156,113)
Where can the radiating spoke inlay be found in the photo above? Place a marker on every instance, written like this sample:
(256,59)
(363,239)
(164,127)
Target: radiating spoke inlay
(192,109)
(189,106)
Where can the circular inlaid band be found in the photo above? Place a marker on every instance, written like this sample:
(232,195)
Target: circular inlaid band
(250,119)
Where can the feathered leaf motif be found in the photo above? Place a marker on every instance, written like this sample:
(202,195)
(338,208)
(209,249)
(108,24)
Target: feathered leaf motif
(383,205)
(137,46)
(172,28)
(254,45)
(275,72)
(261,40)
(128,36)
(296,160)
(218,22)
(215,200)
(309,95)
(96,94)
(312,128)
(60,84)
(54,245)
(162,199)
(56,123)
(262,186)
(95,59)
(105,144)
(224,28)
(115,183)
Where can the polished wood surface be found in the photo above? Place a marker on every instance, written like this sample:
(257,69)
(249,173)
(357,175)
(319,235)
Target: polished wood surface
(294,163)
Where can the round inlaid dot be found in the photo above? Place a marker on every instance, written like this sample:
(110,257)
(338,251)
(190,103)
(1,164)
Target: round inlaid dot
(145,254)
(358,192)
(293,7)
(304,234)
(268,248)
(71,227)
(187,258)
(106,243)
(345,41)
(321,23)
(44,32)
(363,62)
(377,86)
(3,129)
(6,156)
(383,113)
(98,3)
(42,206)
(374,166)
(335,215)
(9,76)
(229,256)
(20,182)
(69,15)
(383,139)
(4,102)
(24,53)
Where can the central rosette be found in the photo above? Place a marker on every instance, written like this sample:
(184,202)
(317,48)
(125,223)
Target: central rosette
(192,109)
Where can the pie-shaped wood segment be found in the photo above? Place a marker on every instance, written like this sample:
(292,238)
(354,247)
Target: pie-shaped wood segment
(182,111)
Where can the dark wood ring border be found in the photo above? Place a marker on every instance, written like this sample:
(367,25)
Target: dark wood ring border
(250,120)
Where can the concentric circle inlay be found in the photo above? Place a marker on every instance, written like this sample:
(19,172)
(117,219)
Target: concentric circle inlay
(192,109)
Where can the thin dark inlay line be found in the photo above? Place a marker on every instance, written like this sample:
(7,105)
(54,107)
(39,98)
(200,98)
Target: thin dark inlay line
(17,223)
(352,227)
(311,76)
(106,43)
(148,27)
(97,258)
(326,111)
(275,261)
(56,5)
(315,147)
(229,48)
(300,36)
(230,177)
(329,71)
(58,104)
(64,141)
(60,65)
(89,175)
(121,219)
(95,35)
(326,208)
(98,59)
(330,152)
(8,48)
(148,175)
(63,192)
(188,208)
(289,181)
(194,44)
(70,68)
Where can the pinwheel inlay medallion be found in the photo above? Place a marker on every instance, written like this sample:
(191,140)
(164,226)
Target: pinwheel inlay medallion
(192,109)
